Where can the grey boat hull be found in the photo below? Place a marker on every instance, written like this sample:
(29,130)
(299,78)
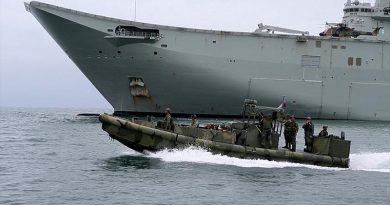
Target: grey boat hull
(141,138)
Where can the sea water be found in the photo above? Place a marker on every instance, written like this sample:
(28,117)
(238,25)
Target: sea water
(51,156)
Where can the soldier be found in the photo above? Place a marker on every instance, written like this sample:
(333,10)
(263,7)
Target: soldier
(195,122)
(309,132)
(168,121)
(324,132)
(293,133)
(266,128)
(287,122)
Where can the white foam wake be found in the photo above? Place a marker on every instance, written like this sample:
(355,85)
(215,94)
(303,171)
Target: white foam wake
(198,155)
(378,162)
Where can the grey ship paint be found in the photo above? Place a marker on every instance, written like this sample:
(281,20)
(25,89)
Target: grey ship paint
(144,68)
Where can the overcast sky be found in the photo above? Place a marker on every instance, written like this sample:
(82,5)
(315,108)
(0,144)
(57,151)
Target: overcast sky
(35,72)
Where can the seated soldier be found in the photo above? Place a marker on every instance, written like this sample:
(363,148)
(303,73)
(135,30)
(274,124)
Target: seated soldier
(324,132)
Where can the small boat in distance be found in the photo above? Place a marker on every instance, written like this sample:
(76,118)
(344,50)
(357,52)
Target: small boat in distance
(242,139)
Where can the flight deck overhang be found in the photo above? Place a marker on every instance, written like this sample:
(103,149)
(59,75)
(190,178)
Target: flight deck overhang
(62,10)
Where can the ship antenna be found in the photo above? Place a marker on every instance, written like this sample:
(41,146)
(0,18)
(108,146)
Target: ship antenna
(135,10)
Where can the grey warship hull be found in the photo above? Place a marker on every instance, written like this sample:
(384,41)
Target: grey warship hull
(143,68)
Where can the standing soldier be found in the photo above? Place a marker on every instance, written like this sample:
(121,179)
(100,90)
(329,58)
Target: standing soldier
(195,122)
(168,122)
(266,128)
(309,132)
(293,133)
(287,122)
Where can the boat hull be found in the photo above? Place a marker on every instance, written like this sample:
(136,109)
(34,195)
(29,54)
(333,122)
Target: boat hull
(141,138)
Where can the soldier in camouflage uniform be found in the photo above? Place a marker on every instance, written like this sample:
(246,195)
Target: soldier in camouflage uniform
(286,121)
(294,130)
(195,122)
(309,132)
(291,130)
(266,128)
(324,132)
(168,121)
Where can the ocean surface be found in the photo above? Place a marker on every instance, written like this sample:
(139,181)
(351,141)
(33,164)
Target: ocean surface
(50,156)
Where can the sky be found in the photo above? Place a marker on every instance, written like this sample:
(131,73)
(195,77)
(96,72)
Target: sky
(35,72)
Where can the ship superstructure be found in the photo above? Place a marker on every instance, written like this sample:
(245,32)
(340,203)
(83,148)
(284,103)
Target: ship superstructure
(143,68)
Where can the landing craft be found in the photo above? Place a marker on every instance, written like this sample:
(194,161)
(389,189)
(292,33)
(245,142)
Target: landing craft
(143,68)
(247,140)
